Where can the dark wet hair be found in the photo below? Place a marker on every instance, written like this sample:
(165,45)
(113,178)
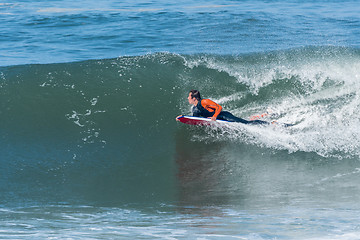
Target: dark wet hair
(195,94)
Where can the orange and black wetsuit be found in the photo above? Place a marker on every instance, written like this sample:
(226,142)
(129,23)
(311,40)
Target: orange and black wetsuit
(207,108)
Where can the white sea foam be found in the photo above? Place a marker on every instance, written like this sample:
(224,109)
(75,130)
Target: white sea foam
(324,105)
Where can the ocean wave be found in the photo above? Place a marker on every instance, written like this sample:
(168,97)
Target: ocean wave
(106,118)
(317,88)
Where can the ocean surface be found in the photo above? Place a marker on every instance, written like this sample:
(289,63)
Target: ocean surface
(89,145)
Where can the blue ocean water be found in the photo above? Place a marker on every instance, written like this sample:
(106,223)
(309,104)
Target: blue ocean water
(90,148)
(67,31)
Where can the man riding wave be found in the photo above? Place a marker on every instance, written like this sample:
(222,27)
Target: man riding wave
(209,109)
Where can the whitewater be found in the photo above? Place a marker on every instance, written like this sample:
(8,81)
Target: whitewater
(90,148)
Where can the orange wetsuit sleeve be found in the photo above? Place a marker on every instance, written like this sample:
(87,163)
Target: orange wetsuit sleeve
(211,106)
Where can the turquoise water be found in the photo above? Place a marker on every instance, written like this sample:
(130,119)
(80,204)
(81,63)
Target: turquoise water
(90,149)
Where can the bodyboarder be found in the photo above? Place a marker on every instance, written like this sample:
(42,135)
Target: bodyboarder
(209,109)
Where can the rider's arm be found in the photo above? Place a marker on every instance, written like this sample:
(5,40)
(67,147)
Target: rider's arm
(211,106)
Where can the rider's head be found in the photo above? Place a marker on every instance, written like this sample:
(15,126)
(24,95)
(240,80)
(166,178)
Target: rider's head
(195,94)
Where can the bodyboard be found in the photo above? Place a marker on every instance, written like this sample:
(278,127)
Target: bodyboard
(198,120)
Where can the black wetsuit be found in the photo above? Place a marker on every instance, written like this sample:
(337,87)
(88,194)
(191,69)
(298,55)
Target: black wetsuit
(200,111)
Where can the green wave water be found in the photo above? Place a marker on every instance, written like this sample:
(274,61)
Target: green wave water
(92,150)
(113,119)
(105,130)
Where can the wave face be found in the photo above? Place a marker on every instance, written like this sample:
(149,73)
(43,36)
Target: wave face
(106,130)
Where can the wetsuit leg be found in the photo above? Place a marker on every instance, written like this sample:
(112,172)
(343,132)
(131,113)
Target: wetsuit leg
(256,122)
(227,116)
